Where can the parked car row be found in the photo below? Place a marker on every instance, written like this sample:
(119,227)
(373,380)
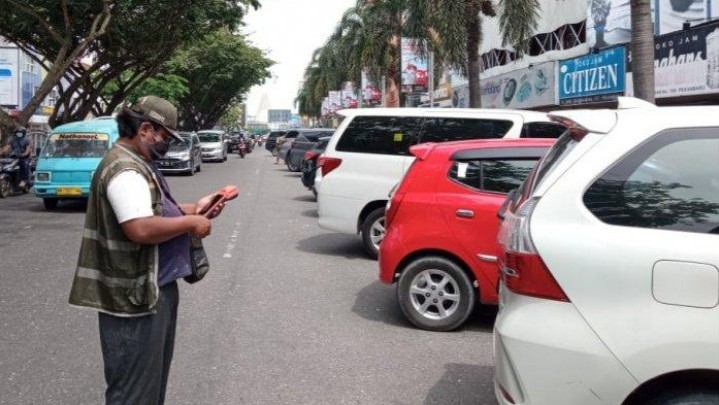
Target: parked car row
(598,243)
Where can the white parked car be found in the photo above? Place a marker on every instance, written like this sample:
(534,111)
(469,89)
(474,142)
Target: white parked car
(610,285)
(369,153)
(214,145)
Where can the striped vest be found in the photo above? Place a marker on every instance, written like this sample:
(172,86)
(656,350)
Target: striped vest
(114,274)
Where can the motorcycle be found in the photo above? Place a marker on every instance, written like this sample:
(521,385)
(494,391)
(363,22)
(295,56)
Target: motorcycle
(10,177)
(242,148)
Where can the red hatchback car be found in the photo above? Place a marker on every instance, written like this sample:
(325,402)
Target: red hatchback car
(441,242)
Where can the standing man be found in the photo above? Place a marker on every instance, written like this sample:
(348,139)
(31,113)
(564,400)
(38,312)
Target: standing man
(134,247)
(21,147)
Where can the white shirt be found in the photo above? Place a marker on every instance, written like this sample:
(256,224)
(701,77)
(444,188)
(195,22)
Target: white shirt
(129,195)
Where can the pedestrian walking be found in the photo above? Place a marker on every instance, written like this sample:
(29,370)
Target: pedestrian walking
(280,141)
(135,245)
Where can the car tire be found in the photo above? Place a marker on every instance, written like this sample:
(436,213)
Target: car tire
(50,203)
(373,231)
(439,278)
(290,166)
(695,396)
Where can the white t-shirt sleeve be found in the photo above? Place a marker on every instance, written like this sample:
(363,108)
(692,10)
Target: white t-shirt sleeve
(129,195)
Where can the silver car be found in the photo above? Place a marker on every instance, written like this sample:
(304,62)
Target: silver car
(213,144)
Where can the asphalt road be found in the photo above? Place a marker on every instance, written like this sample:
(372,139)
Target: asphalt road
(289,313)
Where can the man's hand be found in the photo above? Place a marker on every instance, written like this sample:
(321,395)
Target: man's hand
(201,226)
(204,201)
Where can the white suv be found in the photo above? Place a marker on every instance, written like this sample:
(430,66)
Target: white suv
(369,153)
(610,272)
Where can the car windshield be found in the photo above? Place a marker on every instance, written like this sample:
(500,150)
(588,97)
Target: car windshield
(176,145)
(76,145)
(209,137)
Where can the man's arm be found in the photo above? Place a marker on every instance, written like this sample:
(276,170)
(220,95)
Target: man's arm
(154,230)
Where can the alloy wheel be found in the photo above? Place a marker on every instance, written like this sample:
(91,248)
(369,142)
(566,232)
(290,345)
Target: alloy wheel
(434,294)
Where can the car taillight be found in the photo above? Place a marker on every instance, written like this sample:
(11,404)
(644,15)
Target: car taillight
(328,164)
(310,154)
(524,271)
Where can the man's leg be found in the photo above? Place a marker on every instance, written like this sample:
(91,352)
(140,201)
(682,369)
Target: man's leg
(24,172)
(135,355)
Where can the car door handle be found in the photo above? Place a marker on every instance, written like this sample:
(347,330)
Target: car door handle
(487,258)
(464,213)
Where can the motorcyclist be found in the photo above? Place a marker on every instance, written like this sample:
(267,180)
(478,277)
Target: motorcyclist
(20,147)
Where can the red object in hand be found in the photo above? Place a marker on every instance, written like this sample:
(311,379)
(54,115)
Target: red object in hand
(224,194)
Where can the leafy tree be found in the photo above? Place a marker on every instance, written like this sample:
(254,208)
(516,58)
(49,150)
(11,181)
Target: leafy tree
(144,35)
(219,69)
(642,53)
(169,86)
(55,34)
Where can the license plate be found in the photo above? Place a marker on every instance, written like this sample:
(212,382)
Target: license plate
(71,191)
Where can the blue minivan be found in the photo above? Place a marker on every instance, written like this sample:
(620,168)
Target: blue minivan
(69,159)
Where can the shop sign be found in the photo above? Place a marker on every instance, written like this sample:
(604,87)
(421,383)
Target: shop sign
(685,63)
(592,77)
(523,88)
(8,77)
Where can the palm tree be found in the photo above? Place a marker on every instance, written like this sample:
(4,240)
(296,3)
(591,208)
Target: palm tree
(642,59)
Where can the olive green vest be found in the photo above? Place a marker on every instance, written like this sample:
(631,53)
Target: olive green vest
(114,274)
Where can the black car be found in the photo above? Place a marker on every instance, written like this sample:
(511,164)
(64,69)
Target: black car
(309,163)
(272,139)
(306,140)
(182,157)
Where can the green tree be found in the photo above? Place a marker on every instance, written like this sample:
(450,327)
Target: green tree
(219,69)
(642,50)
(54,33)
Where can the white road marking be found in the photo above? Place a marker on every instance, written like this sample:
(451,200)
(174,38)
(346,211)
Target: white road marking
(231,243)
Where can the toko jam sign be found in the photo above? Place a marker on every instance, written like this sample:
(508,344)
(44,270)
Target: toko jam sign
(592,75)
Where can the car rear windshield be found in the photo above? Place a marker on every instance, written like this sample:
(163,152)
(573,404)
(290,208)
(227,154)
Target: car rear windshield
(275,134)
(209,137)
(564,145)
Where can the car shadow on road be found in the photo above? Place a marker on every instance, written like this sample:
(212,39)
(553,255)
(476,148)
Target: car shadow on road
(292,174)
(463,384)
(310,213)
(305,198)
(65,207)
(378,302)
(334,244)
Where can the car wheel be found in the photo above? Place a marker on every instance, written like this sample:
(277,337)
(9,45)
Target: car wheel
(5,187)
(435,294)
(291,167)
(50,203)
(373,231)
(696,396)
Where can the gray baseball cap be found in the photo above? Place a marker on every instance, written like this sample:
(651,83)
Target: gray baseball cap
(159,111)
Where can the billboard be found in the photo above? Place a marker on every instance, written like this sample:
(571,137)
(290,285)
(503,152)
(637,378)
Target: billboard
(685,62)
(522,88)
(593,77)
(349,95)
(609,21)
(371,94)
(335,99)
(279,115)
(414,68)
(9,77)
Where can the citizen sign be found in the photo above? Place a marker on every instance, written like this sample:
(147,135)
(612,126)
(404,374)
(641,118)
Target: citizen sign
(595,79)
(592,76)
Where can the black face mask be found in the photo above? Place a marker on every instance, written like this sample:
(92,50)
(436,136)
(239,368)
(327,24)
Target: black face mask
(158,149)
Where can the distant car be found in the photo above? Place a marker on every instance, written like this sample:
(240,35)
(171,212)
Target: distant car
(309,163)
(183,157)
(306,139)
(441,226)
(213,144)
(610,271)
(271,140)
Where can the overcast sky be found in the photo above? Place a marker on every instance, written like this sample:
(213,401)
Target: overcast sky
(289,31)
